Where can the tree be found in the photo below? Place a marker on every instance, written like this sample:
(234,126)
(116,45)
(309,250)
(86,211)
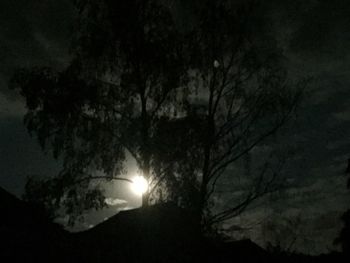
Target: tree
(186,103)
(245,96)
(125,74)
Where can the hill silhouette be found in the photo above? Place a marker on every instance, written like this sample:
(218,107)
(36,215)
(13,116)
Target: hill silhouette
(26,232)
(160,233)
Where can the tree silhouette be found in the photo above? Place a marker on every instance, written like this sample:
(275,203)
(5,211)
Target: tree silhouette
(124,76)
(245,97)
(184,102)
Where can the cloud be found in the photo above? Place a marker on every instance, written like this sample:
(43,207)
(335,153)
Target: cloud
(33,34)
(11,108)
(343,115)
(115,201)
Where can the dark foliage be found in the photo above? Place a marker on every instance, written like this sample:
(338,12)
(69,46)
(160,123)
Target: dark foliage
(185,104)
(124,77)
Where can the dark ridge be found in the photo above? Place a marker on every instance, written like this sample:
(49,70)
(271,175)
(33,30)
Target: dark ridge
(26,233)
(160,233)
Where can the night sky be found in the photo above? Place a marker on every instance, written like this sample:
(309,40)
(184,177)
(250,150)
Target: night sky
(316,38)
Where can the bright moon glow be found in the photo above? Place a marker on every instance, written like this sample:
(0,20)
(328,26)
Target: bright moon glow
(139,185)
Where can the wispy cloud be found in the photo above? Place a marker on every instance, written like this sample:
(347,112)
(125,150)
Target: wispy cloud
(11,107)
(115,201)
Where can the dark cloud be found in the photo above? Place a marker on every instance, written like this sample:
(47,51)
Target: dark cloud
(33,33)
(316,38)
(323,30)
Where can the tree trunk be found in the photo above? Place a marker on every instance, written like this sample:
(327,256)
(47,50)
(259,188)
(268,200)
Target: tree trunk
(145,146)
(145,199)
(204,185)
(205,170)
(146,173)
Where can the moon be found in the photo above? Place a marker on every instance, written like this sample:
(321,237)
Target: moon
(139,185)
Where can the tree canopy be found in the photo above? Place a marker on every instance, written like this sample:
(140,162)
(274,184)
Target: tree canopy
(185,102)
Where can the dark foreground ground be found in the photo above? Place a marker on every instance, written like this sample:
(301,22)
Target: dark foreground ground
(162,233)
